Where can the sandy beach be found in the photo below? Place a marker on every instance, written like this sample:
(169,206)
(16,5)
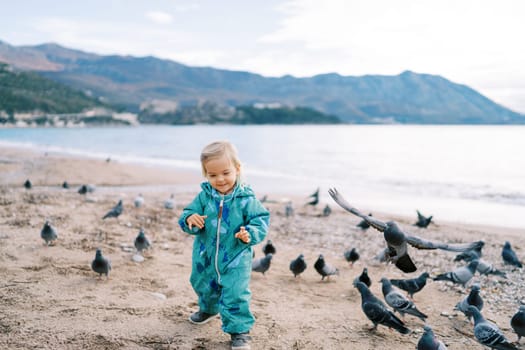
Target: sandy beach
(51,299)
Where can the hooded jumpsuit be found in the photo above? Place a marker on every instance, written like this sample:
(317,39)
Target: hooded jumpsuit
(221,269)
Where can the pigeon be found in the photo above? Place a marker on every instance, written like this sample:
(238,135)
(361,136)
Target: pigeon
(487,333)
(327,211)
(139,201)
(472,299)
(28,185)
(264,199)
(486,268)
(288,209)
(298,265)
(48,233)
(364,278)
(413,285)
(142,242)
(315,198)
(509,256)
(399,302)
(517,322)
(324,269)
(100,264)
(65,185)
(269,248)
(86,189)
(115,211)
(422,221)
(460,275)
(428,340)
(263,264)
(377,312)
(170,202)
(397,240)
(351,256)
(363,224)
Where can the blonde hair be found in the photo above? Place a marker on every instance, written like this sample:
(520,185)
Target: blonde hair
(219,149)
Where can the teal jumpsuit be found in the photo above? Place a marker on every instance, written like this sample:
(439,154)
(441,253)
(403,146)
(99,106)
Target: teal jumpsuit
(221,268)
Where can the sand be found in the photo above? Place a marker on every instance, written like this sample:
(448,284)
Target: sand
(50,298)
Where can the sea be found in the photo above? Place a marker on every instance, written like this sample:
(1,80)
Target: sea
(466,174)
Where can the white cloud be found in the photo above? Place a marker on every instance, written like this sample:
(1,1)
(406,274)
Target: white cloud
(159,17)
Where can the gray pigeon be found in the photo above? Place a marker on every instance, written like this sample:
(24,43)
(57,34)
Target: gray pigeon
(48,233)
(428,341)
(364,278)
(115,211)
(399,302)
(297,266)
(263,264)
(517,322)
(509,256)
(377,312)
(413,285)
(170,202)
(142,242)
(422,220)
(324,269)
(363,224)
(486,268)
(397,240)
(100,264)
(327,211)
(487,333)
(269,248)
(351,256)
(470,255)
(472,299)
(460,275)
(139,201)
(288,209)
(84,189)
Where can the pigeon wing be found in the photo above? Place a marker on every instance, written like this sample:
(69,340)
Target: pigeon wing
(421,243)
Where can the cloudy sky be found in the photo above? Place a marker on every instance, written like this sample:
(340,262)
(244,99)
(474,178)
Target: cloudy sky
(474,42)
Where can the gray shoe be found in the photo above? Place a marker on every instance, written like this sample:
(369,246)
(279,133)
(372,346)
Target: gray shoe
(200,317)
(240,341)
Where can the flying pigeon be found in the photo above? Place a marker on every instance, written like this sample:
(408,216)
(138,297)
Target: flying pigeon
(413,285)
(460,275)
(364,278)
(139,201)
(399,302)
(297,266)
(48,233)
(115,211)
(487,333)
(377,312)
(397,240)
(428,340)
(472,299)
(28,185)
(509,256)
(269,248)
(324,269)
(517,322)
(263,264)
(363,224)
(351,256)
(486,268)
(100,264)
(315,198)
(170,202)
(142,242)
(422,220)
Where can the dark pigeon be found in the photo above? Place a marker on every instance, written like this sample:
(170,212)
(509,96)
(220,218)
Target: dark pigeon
(351,256)
(315,198)
(298,265)
(324,269)
(364,278)
(100,264)
(327,211)
(142,242)
(65,185)
(115,211)
(84,189)
(422,220)
(263,264)
(486,268)
(487,333)
(269,248)
(509,256)
(28,185)
(461,275)
(397,240)
(413,285)
(428,340)
(399,302)
(363,224)
(517,322)
(48,233)
(377,312)
(472,299)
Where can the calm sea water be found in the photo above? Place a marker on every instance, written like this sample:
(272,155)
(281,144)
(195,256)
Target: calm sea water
(473,174)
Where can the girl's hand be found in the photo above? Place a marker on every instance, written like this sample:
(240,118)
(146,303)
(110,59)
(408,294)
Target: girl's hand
(243,235)
(196,220)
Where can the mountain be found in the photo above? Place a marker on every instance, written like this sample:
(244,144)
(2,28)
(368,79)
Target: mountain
(133,81)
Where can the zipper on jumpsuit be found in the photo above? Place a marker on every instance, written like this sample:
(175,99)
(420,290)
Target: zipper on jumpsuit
(221,204)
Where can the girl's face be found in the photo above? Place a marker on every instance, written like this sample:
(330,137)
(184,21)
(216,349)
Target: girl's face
(222,174)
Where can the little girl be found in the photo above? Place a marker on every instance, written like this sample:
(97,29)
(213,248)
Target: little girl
(227,220)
